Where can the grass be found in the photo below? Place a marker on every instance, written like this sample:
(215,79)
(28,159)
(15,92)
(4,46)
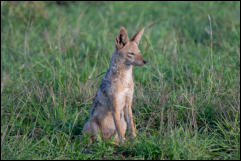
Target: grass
(186,101)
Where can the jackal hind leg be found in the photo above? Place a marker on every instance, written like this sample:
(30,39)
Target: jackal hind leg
(91,128)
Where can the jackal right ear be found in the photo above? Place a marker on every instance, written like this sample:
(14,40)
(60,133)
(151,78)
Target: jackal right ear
(122,38)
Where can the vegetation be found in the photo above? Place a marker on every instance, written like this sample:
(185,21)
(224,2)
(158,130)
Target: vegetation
(187,98)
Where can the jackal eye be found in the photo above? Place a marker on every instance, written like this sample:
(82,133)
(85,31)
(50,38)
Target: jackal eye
(131,53)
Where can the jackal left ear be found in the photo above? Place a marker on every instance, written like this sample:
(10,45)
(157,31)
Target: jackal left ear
(137,37)
(122,38)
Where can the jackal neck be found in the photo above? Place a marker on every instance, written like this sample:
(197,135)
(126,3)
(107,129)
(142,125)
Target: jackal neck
(118,68)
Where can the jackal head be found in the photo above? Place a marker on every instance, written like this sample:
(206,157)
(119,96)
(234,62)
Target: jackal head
(127,49)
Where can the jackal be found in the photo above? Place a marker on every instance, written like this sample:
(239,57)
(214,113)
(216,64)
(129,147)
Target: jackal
(111,109)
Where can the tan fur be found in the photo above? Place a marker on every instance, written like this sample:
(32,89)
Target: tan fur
(111,110)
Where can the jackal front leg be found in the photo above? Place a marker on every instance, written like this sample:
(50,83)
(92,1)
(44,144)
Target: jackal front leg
(129,117)
(116,116)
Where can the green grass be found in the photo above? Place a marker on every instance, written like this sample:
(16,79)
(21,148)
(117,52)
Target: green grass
(186,101)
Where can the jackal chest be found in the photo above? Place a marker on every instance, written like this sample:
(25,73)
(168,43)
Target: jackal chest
(123,95)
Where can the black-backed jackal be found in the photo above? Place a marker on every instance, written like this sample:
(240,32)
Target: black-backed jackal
(111,110)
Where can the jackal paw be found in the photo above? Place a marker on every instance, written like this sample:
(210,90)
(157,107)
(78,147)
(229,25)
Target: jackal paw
(118,141)
(133,135)
(122,140)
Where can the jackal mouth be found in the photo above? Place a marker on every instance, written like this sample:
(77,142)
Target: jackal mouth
(140,63)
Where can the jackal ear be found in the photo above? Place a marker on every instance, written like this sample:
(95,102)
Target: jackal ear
(137,37)
(122,38)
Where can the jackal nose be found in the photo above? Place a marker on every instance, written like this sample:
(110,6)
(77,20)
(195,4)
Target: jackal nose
(144,61)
